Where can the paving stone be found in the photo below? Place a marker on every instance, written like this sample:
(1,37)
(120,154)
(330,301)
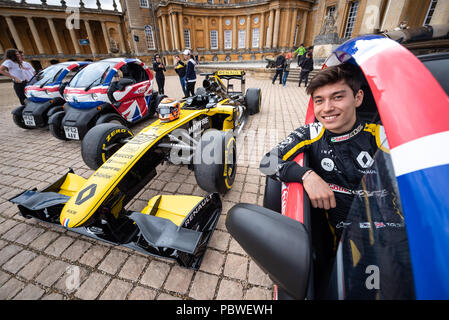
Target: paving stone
(117,290)
(44,240)
(58,246)
(155,274)
(8,252)
(141,293)
(133,268)
(34,267)
(212,262)
(30,235)
(203,287)
(113,261)
(19,261)
(230,290)
(10,289)
(30,292)
(92,287)
(178,279)
(52,273)
(72,279)
(236,267)
(76,250)
(219,240)
(257,276)
(94,255)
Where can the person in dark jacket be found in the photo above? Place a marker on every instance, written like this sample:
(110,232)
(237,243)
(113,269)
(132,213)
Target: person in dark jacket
(190,73)
(306,66)
(159,68)
(180,68)
(280,63)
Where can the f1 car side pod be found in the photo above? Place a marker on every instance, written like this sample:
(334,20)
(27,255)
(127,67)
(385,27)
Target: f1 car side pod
(178,227)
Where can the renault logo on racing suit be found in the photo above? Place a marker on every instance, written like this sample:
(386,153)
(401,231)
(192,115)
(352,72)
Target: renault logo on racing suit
(365,160)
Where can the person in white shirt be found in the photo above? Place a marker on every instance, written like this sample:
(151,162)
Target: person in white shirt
(28,68)
(11,67)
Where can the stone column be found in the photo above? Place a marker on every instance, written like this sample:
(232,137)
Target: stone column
(303,27)
(371,17)
(285,30)
(93,47)
(74,41)
(269,42)
(276,28)
(248,32)
(291,41)
(441,13)
(15,35)
(206,34)
(181,30)
(105,36)
(172,36)
(262,30)
(35,34)
(164,34)
(55,36)
(121,39)
(234,33)
(220,34)
(393,13)
(175,30)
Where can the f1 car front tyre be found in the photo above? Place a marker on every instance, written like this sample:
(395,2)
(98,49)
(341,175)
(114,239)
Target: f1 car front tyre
(215,161)
(253,100)
(101,142)
(55,125)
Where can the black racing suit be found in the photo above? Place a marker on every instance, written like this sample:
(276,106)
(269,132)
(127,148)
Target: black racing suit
(340,159)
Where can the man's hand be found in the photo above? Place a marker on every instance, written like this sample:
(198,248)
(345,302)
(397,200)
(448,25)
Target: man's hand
(319,192)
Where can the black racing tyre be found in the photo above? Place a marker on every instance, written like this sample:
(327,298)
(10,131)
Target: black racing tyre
(111,118)
(17,117)
(101,142)
(272,195)
(215,161)
(55,125)
(253,100)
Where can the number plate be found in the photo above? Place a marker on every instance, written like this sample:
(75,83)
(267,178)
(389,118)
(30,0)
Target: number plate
(29,120)
(71,133)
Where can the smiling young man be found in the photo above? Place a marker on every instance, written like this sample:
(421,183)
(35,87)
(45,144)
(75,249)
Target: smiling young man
(341,146)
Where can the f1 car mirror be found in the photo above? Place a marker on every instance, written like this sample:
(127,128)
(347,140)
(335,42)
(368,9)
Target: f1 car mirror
(279,245)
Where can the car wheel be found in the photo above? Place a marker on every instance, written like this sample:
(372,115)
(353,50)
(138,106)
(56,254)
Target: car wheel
(55,127)
(253,100)
(101,142)
(111,118)
(18,118)
(272,195)
(215,161)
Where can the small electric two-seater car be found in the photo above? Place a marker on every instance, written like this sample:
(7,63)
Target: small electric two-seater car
(44,94)
(199,132)
(115,90)
(395,239)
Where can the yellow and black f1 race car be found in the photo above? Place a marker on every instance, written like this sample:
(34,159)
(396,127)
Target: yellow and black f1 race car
(171,226)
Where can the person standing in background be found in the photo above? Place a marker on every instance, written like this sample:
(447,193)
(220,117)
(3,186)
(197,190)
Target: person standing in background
(180,69)
(159,68)
(306,67)
(28,68)
(190,73)
(280,62)
(300,52)
(288,61)
(11,67)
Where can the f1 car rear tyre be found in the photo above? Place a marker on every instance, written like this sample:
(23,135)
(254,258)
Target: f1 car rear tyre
(215,161)
(101,142)
(55,126)
(111,118)
(17,117)
(272,195)
(253,100)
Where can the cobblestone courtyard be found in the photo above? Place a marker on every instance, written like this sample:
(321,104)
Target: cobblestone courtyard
(41,261)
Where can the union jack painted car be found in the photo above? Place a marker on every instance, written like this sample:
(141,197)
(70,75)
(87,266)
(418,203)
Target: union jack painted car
(377,258)
(44,94)
(115,90)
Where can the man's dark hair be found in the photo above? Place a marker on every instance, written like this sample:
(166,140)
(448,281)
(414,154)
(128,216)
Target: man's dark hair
(346,71)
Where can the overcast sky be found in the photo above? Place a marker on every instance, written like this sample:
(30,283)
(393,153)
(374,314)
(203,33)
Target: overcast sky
(105,4)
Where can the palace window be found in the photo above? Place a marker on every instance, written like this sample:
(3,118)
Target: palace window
(352,14)
(430,12)
(330,11)
(149,37)
(144,3)
(255,38)
(213,39)
(228,39)
(187,44)
(210,1)
(242,38)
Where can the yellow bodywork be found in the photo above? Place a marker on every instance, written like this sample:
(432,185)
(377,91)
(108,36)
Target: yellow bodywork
(99,186)
(173,208)
(72,184)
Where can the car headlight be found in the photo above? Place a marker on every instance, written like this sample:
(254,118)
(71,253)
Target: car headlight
(94,96)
